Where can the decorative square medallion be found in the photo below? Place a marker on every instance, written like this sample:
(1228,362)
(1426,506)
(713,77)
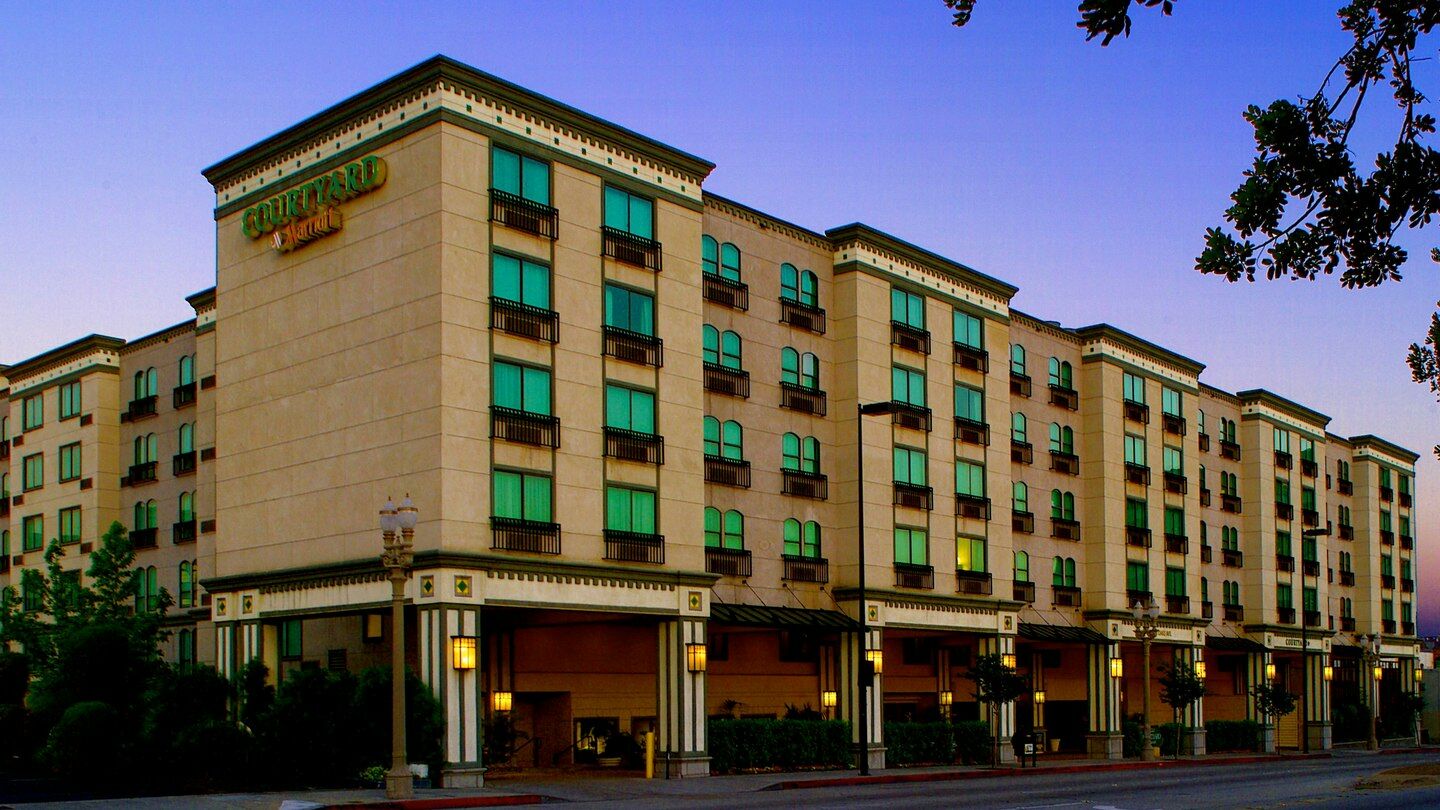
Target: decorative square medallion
(220,605)
(695,601)
(462,584)
(873,613)
(247,603)
(427,586)
(1009,622)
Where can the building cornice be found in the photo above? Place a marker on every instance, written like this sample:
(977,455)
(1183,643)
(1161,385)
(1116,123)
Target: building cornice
(1220,394)
(1049,328)
(1395,453)
(92,350)
(766,221)
(896,249)
(1101,337)
(163,336)
(1274,402)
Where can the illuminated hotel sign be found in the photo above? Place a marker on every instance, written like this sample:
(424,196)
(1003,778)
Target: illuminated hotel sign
(307,212)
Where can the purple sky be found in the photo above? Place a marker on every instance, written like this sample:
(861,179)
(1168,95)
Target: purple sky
(1084,175)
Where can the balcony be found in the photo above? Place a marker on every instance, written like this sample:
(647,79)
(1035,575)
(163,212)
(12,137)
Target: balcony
(1177,544)
(1177,605)
(514,211)
(972,358)
(914,576)
(802,316)
(1204,497)
(1347,624)
(1312,618)
(1407,542)
(626,247)
(909,338)
(1175,483)
(805,485)
(183,532)
(974,583)
(971,432)
(1345,486)
(725,292)
(1137,412)
(1023,522)
(1137,474)
(1407,585)
(1405,499)
(802,399)
(1283,460)
(524,427)
(972,507)
(1023,591)
(1207,610)
(183,396)
(1387,494)
(1062,529)
(1387,581)
(1065,596)
(1134,597)
(1067,398)
(1284,511)
(140,408)
(728,562)
(1347,578)
(915,417)
(1284,562)
(1137,537)
(1407,628)
(1067,463)
(1204,442)
(1346,531)
(633,347)
(1387,537)
(1230,503)
(1309,517)
(730,472)
(914,496)
(633,445)
(1230,450)
(515,318)
(1020,385)
(1285,615)
(1310,568)
(1387,626)
(1207,554)
(141,473)
(798,568)
(183,464)
(634,547)
(1172,424)
(144,538)
(1232,558)
(1022,452)
(731,382)
(531,536)
(1234,613)
(1309,468)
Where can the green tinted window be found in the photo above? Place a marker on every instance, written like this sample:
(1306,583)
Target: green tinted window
(520,280)
(523,496)
(629,409)
(968,330)
(630,310)
(970,554)
(522,388)
(912,546)
(969,404)
(907,308)
(630,213)
(970,479)
(1134,388)
(520,175)
(907,385)
(630,510)
(910,466)
(70,399)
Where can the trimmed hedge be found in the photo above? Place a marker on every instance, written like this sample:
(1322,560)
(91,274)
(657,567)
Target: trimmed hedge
(919,743)
(972,741)
(1167,733)
(1232,735)
(739,745)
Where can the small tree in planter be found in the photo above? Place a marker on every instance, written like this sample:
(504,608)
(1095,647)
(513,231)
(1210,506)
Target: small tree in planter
(1180,687)
(995,685)
(1273,701)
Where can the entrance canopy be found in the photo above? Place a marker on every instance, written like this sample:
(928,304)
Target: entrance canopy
(1062,633)
(783,617)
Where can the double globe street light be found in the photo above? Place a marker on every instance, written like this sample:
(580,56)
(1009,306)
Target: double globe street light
(397,528)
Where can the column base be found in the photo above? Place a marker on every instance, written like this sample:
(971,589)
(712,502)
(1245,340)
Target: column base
(399,786)
(1007,751)
(1267,739)
(1105,746)
(681,766)
(1319,733)
(875,757)
(462,776)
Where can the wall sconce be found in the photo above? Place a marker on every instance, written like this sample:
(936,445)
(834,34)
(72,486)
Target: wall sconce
(1200,670)
(829,698)
(1117,667)
(947,698)
(462,652)
(1329,673)
(1039,697)
(1379,673)
(1007,660)
(876,658)
(1269,672)
(695,657)
(502,701)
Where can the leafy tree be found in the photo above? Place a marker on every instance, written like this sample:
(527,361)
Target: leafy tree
(995,685)
(1305,206)
(1273,700)
(1180,687)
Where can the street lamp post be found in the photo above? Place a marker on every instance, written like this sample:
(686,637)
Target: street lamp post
(1370,652)
(1147,627)
(864,672)
(1307,534)
(397,527)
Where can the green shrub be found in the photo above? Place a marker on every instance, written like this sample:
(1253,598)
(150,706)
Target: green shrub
(1134,735)
(972,741)
(1232,735)
(917,743)
(87,743)
(1168,733)
(739,745)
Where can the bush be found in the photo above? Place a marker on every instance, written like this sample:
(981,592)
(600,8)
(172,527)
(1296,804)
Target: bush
(737,745)
(424,722)
(1232,735)
(917,743)
(1134,735)
(972,741)
(87,743)
(1168,733)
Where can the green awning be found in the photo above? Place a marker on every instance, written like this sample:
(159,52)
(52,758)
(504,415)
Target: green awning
(1060,632)
(783,617)
(1233,644)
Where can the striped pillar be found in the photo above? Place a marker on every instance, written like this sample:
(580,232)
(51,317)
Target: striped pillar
(942,679)
(1258,661)
(681,748)
(852,651)
(1001,645)
(225,662)
(1193,717)
(1037,684)
(459,691)
(1317,712)
(1409,685)
(829,680)
(1105,739)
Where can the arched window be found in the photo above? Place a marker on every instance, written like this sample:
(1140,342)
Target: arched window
(4,428)
(152,382)
(1204,589)
(1062,505)
(1018,428)
(709,255)
(4,485)
(187,438)
(799,369)
(799,454)
(141,516)
(1069,572)
(187,595)
(187,507)
(147,448)
(801,539)
(721,348)
(1062,439)
(1022,567)
(1020,496)
(1017,359)
(725,530)
(1060,374)
(1062,572)
(147,589)
(186,372)
(724,440)
(139,388)
(799,286)
(729,262)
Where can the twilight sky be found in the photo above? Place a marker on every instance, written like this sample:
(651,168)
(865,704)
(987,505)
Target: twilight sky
(1084,175)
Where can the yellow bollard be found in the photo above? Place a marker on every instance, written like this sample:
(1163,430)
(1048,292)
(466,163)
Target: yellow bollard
(649,755)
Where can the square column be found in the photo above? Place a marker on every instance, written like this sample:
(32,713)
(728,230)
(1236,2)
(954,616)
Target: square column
(1003,719)
(1193,718)
(1317,713)
(1409,685)
(458,690)
(1255,674)
(852,652)
(681,746)
(1106,739)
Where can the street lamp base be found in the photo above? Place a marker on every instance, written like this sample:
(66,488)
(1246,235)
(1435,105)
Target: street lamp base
(399,785)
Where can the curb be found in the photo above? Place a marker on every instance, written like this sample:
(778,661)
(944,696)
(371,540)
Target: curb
(954,776)
(440,803)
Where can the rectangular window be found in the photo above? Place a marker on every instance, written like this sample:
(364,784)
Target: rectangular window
(1309,549)
(630,213)
(1307,498)
(1307,449)
(1137,576)
(1387,610)
(1387,565)
(910,466)
(912,546)
(1282,544)
(522,388)
(291,639)
(968,330)
(969,479)
(1282,490)
(32,530)
(30,596)
(1404,484)
(32,410)
(70,462)
(1311,599)
(1134,388)
(1404,526)
(70,400)
(631,310)
(70,525)
(970,554)
(1137,514)
(907,308)
(907,385)
(520,280)
(34,472)
(1282,440)
(1170,401)
(1174,581)
(1175,520)
(522,496)
(1284,596)
(1406,612)
(1385,477)
(1135,450)
(629,409)
(1174,461)
(969,404)
(630,510)
(520,175)
(1384,520)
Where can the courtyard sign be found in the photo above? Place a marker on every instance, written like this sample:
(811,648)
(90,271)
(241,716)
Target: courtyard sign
(307,212)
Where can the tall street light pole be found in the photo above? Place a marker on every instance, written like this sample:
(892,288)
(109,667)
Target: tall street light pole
(865,672)
(1307,534)
(1370,651)
(397,556)
(1147,627)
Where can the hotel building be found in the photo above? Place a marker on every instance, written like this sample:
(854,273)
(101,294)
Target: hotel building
(451,287)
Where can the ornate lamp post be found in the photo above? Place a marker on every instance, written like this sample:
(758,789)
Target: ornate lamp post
(1147,627)
(397,527)
(1370,652)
